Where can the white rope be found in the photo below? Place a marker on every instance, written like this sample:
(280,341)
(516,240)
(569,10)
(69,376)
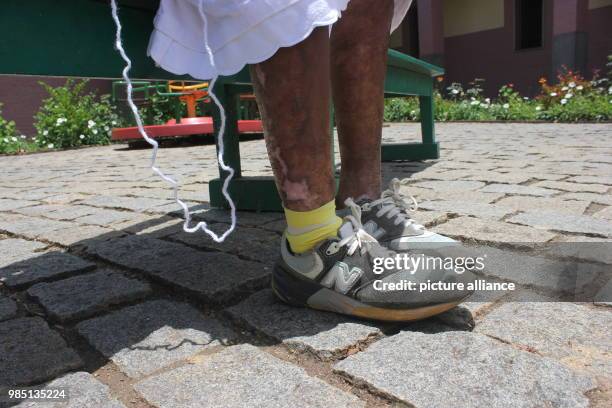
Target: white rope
(128,65)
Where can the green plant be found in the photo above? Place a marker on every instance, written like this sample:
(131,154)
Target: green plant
(572,99)
(70,118)
(11,141)
(158,109)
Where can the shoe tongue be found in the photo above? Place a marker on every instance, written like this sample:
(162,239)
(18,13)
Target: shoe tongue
(346,230)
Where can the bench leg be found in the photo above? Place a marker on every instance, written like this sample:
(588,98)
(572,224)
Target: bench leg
(248,193)
(428,149)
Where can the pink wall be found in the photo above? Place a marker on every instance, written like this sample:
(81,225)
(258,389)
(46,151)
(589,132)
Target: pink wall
(599,29)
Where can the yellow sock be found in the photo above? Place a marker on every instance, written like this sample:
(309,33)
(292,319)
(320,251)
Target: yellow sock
(305,229)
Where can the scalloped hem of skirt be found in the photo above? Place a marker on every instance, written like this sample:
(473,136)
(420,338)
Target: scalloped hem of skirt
(179,59)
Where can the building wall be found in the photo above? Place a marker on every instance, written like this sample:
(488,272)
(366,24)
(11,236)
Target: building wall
(490,54)
(21,96)
(463,17)
(599,31)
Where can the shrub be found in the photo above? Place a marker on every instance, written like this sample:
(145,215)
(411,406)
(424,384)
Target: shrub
(572,99)
(11,141)
(70,118)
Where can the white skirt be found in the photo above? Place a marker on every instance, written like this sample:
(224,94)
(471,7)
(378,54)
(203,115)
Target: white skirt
(239,32)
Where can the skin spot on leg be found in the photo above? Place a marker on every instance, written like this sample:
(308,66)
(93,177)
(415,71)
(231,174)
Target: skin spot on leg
(297,191)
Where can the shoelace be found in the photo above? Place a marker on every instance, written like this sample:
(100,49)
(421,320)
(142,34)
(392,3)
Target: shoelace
(359,239)
(394,204)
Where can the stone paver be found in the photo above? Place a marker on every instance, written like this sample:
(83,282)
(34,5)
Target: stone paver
(457,369)
(216,276)
(144,338)
(573,187)
(576,335)
(83,390)
(84,295)
(518,189)
(325,334)
(8,307)
(242,376)
(468,208)
(30,352)
(9,205)
(42,266)
(104,217)
(31,227)
(605,214)
(57,212)
(454,186)
(583,248)
(252,243)
(525,203)
(491,231)
(567,223)
(81,235)
(14,250)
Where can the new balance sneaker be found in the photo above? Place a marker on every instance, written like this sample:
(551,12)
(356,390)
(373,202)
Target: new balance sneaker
(388,220)
(345,275)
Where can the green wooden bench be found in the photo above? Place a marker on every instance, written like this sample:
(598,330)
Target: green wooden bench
(60,38)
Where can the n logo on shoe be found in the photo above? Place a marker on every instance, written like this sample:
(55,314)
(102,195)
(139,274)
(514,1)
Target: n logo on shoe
(373,229)
(342,277)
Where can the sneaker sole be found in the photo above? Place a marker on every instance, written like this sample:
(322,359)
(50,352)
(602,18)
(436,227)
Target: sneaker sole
(306,293)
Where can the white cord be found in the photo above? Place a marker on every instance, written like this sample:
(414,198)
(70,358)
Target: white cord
(128,65)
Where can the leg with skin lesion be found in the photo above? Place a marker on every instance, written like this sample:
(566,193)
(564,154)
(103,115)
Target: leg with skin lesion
(359,43)
(293,95)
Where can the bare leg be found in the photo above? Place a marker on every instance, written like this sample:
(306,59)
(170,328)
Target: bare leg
(359,45)
(293,94)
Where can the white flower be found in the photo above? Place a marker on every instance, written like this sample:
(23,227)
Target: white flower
(14,139)
(485,106)
(109,133)
(91,123)
(553,94)
(455,91)
(413,112)
(572,84)
(106,128)
(81,137)
(5,140)
(488,100)
(23,136)
(610,90)
(94,131)
(59,121)
(563,101)
(45,132)
(50,146)
(538,108)
(580,87)
(565,88)
(506,105)
(475,103)
(33,139)
(568,95)
(526,98)
(114,122)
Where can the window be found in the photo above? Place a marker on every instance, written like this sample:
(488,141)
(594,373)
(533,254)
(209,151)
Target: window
(528,20)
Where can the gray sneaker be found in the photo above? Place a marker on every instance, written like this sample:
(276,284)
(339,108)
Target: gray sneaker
(388,220)
(342,275)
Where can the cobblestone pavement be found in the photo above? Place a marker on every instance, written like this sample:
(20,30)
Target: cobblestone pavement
(101,290)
